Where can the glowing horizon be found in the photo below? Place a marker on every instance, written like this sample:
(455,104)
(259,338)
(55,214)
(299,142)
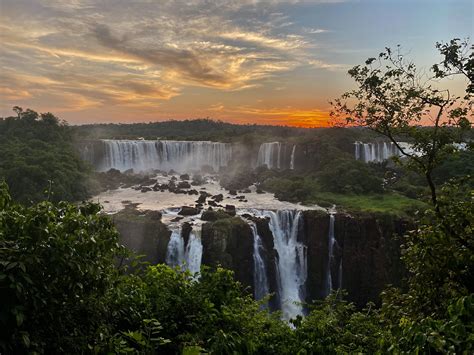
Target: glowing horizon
(266,62)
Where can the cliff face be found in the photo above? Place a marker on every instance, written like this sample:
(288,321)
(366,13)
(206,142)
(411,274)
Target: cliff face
(370,254)
(270,258)
(366,255)
(229,242)
(143,233)
(316,230)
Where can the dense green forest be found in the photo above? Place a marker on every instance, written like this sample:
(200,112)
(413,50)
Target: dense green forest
(38,159)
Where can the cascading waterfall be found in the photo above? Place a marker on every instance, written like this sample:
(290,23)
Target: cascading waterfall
(292,159)
(269,154)
(189,257)
(193,253)
(175,250)
(260,280)
(292,265)
(375,152)
(180,156)
(331,243)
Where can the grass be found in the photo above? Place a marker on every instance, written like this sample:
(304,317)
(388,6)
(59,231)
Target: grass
(392,203)
(308,191)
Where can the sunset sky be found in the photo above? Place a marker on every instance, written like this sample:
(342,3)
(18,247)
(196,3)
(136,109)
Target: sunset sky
(248,61)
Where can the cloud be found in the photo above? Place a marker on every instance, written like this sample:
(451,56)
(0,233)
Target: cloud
(314,31)
(84,54)
(316,63)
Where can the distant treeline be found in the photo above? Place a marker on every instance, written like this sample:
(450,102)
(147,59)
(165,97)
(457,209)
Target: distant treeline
(207,129)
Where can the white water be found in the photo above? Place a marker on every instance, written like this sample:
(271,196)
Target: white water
(292,265)
(260,280)
(331,242)
(175,251)
(188,258)
(182,156)
(267,153)
(193,253)
(292,159)
(375,152)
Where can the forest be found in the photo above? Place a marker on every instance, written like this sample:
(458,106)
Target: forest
(69,285)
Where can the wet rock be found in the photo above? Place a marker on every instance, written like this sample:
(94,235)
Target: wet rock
(201,199)
(143,233)
(177,219)
(146,189)
(197,180)
(246,191)
(218,198)
(212,203)
(172,172)
(154,215)
(228,242)
(188,211)
(128,172)
(184,177)
(211,216)
(232,192)
(193,192)
(260,191)
(230,209)
(184,185)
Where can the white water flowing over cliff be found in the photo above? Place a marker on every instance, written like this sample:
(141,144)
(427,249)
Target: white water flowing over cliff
(331,242)
(260,280)
(292,159)
(189,257)
(269,154)
(175,250)
(375,152)
(292,264)
(181,156)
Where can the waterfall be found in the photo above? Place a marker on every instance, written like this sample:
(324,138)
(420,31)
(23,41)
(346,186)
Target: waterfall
(193,253)
(357,150)
(269,154)
(175,250)
(182,156)
(291,264)
(331,242)
(260,280)
(187,257)
(375,152)
(292,159)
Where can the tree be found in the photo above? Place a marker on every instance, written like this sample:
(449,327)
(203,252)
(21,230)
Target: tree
(394,99)
(57,263)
